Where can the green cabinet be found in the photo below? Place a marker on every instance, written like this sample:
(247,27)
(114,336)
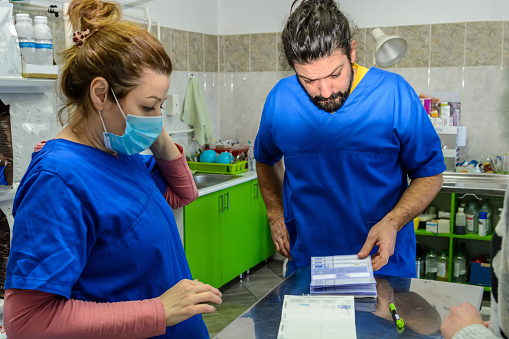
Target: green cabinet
(226,233)
(236,228)
(261,225)
(202,238)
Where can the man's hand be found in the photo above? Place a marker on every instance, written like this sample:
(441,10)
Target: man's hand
(382,235)
(280,237)
(460,317)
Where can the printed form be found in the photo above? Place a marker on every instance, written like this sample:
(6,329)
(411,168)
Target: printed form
(322,316)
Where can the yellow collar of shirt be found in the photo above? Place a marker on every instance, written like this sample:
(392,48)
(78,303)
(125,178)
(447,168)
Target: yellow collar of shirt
(361,72)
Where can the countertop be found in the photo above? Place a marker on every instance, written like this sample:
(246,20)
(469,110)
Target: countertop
(239,179)
(422,304)
(475,183)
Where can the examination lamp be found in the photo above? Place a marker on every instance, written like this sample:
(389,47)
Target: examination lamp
(389,49)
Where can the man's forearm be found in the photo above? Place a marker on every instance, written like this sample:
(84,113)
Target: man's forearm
(270,181)
(416,198)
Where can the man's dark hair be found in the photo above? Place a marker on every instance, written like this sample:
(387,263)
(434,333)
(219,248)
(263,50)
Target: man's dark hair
(315,30)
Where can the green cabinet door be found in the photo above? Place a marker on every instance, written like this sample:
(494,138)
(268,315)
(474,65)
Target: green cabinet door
(202,238)
(261,225)
(236,228)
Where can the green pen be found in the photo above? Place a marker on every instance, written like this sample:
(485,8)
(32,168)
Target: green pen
(400,324)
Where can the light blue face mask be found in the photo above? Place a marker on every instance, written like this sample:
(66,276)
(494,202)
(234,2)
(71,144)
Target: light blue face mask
(140,133)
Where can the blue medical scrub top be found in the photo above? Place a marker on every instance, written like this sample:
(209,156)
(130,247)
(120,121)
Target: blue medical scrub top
(345,171)
(3,181)
(91,226)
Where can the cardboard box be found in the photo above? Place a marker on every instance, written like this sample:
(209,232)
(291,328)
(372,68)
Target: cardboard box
(445,110)
(39,71)
(480,274)
(444,226)
(432,226)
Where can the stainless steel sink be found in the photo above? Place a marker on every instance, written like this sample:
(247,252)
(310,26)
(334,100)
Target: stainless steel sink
(203,180)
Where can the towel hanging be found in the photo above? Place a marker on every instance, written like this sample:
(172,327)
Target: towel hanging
(195,113)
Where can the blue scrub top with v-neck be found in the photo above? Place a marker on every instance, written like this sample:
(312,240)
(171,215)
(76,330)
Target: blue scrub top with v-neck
(91,226)
(345,171)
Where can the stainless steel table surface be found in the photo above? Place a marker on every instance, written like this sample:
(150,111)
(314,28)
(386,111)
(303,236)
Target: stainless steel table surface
(422,304)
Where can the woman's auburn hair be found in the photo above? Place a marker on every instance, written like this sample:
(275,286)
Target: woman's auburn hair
(117,51)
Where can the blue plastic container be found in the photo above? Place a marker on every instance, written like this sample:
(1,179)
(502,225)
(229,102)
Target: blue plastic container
(208,156)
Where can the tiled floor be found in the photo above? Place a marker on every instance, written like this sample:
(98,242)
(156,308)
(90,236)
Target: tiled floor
(239,295)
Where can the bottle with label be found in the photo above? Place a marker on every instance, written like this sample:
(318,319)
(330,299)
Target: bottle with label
(431,265)
(43,41)
(459,268)
(442,271)
(461,222)
(483,223)
(250,158)
(486,207)
(419,267)
(472,216)
(26,40)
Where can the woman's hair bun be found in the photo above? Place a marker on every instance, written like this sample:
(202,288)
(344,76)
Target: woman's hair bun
(93,14)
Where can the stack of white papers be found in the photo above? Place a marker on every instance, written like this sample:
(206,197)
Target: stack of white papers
(317,317)
(343,274)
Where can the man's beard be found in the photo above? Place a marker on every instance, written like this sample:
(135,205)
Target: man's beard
(336,100)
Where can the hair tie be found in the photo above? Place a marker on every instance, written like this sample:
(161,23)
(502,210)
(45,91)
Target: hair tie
(79,37)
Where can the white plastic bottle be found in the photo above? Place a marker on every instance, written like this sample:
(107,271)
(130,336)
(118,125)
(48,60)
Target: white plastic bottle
(26,40)
(250,158)
(483,223)
(486,207)
(43,41)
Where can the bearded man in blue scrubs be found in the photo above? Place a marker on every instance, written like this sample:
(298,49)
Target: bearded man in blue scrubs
(350,137)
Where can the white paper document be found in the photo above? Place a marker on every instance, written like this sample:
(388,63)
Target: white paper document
(318,317)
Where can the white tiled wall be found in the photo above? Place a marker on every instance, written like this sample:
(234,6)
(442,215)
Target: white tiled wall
(484,103)
(241,100)
(210,87)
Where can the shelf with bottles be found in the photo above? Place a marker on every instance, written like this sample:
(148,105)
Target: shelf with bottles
(424,232)
(476,245)
(474,236)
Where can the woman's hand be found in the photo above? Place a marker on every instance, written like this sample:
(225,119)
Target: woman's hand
(164,148)
(188,298)
(460,317)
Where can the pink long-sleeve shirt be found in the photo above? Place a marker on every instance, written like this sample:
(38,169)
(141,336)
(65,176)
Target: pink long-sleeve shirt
(37,314)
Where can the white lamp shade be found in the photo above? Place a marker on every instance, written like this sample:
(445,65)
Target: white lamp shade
(389,48)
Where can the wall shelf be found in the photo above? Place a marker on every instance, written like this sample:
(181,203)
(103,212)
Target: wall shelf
(473,236)
(24,85)
(423,232)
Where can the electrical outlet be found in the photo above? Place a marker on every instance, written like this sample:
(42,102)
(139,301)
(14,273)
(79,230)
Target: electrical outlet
(172,104)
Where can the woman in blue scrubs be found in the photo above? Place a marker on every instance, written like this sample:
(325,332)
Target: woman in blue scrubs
(347,151)
(95,250)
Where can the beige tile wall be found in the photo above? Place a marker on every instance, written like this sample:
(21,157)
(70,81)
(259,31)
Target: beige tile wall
(439,45)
